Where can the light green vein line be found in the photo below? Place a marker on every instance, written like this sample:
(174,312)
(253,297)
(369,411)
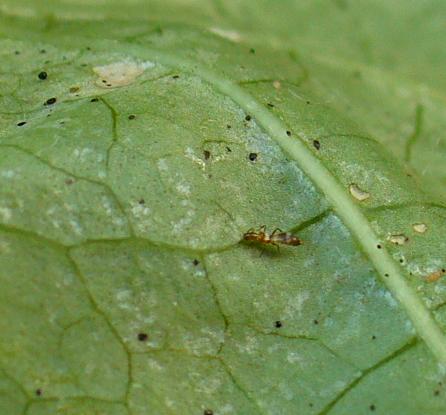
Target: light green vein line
(345,207)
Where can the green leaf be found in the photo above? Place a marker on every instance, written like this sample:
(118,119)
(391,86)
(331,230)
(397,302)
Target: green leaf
(158,137)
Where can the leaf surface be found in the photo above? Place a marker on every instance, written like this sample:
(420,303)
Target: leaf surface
(126,286)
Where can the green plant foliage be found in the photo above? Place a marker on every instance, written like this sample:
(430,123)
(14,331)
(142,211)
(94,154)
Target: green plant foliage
(139,141)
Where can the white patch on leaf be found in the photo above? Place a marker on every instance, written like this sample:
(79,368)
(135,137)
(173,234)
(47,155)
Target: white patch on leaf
(120,74)
(231,35)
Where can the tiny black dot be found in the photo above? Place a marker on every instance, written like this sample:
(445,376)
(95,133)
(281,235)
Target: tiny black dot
(310,405)
(248,118)
(228,127)
(19,124)
(308,102)
(208,412)
(270,105)
(378,246)
(443,270)
(401,260)
(195,262)
(315,321)
(373,337)
(131,117)
(175,76)
(278,324)
(104,81)
(207,154)
(88,48)
(50,101)
(94,100)
(316,144)
(141,201)
(142,337)
(42,75)
(228,149)
(42,51)
(288,133)
(39,392)
(252,156)
(372,407)
(386,275)
(17,52)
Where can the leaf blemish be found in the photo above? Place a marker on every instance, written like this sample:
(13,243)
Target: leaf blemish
(42,75)
(39,392)
(142,337)
(278,324)
(120,73)
(50,101)
(21,123)
(358,193)
(316,144)
(419,227)
(398,239)
(252,156)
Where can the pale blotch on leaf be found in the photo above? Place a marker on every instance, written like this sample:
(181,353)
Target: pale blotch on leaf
(277,84)
(120,73)
(419,227)
(399,239)
(358,193)
(231,35)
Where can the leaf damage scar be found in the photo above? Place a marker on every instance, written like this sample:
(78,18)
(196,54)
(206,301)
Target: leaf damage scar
(276,238)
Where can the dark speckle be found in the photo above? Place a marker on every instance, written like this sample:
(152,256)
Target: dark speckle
(207,154)
(94,100)
(378,246)
(17,52)
(39,392)
(278,324)
(228,127)
(195,262)
(50,101)
(372,407)
(401,260)
(252,50)
(21,123)
(141,201)
(373,337)
(42,75)
(42,51)
(270,105)
(288,133)
(436,393)
(175,76)
(316,322)
(316,144)
(142,337)
(208,412)
(131,117)
(69,182)
(386,275)
(74,89)
(308,102)
(252,156)
(248,118)
(228,149)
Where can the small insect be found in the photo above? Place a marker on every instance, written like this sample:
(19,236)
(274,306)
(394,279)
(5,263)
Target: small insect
(276,238)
